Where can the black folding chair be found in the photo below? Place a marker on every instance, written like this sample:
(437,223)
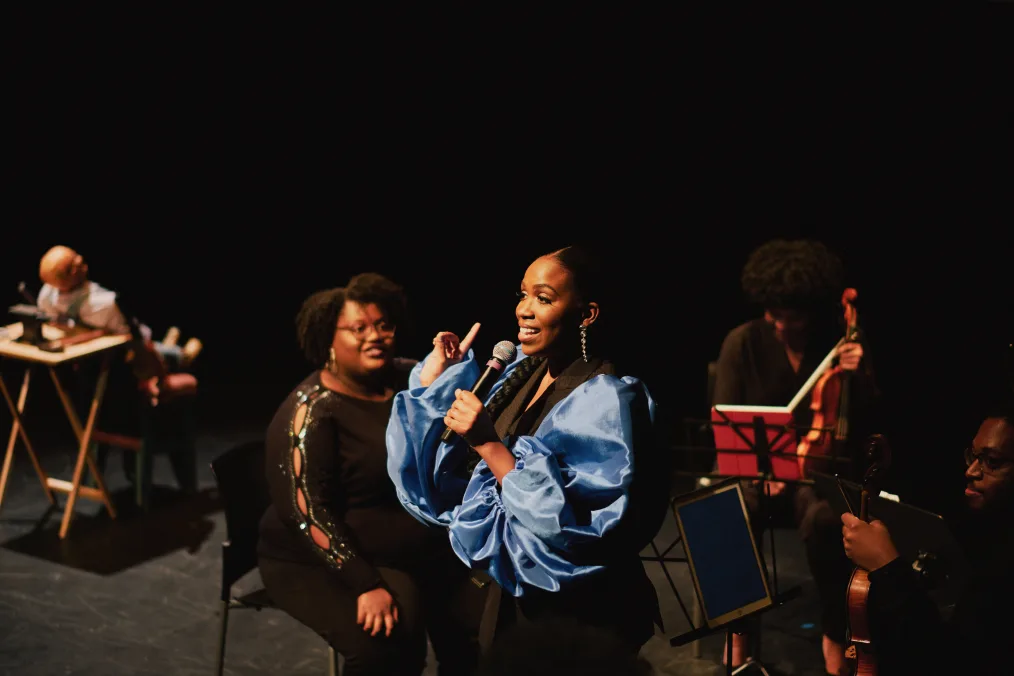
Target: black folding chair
(243,488)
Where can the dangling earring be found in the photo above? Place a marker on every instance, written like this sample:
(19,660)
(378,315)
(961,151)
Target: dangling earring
(330,366)
(584,342)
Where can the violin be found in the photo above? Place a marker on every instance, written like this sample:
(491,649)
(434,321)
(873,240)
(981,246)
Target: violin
(829,400)
(858,642)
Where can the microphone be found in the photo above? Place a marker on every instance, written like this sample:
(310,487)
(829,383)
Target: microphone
(504,353)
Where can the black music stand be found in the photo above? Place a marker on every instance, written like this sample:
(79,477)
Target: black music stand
(760,446)
(729,576)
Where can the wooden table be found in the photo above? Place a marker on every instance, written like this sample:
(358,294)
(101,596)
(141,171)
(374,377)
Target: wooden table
(104,346)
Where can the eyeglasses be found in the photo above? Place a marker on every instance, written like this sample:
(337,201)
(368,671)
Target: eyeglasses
(384,329)
(990,464)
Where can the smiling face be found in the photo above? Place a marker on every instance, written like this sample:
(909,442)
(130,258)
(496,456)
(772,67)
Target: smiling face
(549,310)
(363,340)
(990,474)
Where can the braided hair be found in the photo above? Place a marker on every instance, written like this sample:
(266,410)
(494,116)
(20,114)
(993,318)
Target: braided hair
(585,270)
(517,377)
(588,276)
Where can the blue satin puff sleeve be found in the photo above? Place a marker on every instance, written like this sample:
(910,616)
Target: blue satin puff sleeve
(569,488)
(427,473)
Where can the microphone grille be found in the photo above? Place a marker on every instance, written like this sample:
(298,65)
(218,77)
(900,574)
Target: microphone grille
(505,351)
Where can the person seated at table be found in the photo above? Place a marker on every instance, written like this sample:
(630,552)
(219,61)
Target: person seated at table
(160,369)
(70,298)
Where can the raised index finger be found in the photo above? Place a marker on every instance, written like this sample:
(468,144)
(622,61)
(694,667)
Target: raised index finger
(466,342)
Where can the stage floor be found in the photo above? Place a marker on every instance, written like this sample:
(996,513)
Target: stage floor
(139,595)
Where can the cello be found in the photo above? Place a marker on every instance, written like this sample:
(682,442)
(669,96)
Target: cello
(829,400)
(858,642)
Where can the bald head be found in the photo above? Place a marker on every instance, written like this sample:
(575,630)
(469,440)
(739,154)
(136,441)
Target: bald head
(63,268)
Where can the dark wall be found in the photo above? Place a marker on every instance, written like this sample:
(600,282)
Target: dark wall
(218,168)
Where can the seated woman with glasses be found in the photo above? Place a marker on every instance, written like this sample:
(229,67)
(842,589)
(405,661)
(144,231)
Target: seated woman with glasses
(908,633)
(337,551)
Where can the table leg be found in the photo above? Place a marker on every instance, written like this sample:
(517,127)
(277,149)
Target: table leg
(84,448)
(68,405)
(75,423)
(18,428)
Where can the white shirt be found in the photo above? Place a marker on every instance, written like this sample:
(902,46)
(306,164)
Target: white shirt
(89,304)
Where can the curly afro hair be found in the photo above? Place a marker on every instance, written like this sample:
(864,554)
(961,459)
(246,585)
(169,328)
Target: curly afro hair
(793,274)
(317,319)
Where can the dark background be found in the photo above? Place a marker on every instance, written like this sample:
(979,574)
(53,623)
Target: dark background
(217,166)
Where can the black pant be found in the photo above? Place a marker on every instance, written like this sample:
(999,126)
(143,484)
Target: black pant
(820,529)
(620,600)
(438,599)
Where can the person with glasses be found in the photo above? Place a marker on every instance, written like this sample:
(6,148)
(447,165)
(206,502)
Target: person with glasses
(336,549)
(908,631)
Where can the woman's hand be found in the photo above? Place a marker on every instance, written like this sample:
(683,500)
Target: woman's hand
(849,356)
(448,350)
(469,419)
(376,609)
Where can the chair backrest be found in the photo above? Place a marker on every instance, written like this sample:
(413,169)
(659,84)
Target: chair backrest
(243,487)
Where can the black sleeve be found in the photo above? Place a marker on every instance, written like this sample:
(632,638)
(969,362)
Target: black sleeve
(316,481)
(904,619)
(730,387)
